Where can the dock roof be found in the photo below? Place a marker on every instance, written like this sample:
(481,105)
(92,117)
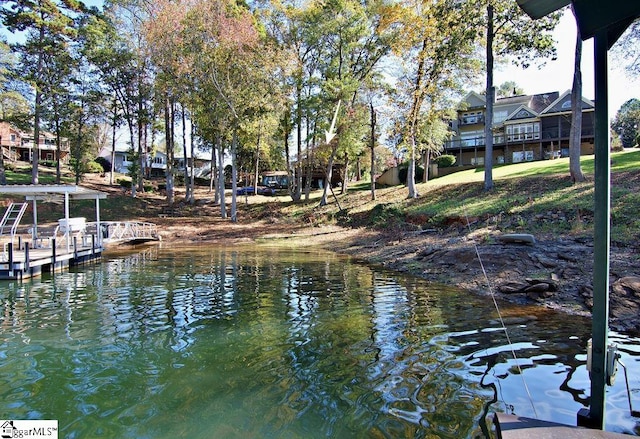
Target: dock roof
(52,192)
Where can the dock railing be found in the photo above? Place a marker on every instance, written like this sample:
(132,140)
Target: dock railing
(119,231)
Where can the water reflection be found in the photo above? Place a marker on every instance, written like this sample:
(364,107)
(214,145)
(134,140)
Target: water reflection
(269,343)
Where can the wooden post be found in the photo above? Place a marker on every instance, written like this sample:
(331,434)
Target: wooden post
(26,256)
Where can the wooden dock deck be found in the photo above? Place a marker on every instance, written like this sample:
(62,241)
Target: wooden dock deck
(516,427)
(18,264)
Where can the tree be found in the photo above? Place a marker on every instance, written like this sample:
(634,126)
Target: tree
(436,43)
(509,88)
(575,135)
(627,49)
(627,123)
(510,32)
(49,26)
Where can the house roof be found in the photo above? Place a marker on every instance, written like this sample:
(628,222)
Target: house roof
(563,104)
(522,112)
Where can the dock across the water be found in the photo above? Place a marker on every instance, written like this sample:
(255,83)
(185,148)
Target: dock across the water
(24,261)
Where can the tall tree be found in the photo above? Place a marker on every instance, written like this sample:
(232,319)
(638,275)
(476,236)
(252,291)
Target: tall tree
(575,135)
(511,33)
(49,26)
(436,44)
(627,123)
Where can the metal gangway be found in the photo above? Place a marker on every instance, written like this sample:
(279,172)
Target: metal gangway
(119,232)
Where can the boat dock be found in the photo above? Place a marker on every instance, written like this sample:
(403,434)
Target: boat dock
(19,264)
(72,241)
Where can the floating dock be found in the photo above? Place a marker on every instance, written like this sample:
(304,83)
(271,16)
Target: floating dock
(19,264)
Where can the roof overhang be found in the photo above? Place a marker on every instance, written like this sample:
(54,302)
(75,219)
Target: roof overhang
(52,192)
(613,16)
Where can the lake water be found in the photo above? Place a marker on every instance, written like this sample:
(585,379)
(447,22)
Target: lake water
(271,343)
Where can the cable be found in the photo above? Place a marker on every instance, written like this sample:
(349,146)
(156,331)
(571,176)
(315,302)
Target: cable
(495,304)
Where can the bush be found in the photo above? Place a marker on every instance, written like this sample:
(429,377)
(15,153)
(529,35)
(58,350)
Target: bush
(106,164)
(94,167)
(48,163)
(125,183)
(403,171)
(445,160)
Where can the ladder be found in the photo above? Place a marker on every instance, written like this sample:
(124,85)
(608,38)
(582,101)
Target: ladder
(12,217)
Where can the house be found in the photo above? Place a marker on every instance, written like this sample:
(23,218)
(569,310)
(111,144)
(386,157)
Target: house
(122,158)
(18,145)
(525,128)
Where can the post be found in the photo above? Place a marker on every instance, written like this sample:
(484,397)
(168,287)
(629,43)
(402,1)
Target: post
(595,416)
(10,250)
(26,256)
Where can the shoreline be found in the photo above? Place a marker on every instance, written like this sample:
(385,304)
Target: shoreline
(553,272)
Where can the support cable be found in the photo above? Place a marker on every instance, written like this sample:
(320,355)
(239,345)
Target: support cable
(504,327)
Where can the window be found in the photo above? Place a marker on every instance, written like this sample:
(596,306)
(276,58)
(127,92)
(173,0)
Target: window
(471,138)
(500,116)
(524,131)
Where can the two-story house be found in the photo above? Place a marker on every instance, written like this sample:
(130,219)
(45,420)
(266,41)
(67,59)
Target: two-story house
(19,145)
(525,128)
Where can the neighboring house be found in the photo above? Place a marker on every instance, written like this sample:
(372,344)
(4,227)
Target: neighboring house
(525,128)
(156,161)
(18,145)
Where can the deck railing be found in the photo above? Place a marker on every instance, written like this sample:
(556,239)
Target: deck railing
(114,231)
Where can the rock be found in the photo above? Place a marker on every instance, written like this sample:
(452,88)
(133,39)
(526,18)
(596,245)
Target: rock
(629,285)
(546,262)
(518,238)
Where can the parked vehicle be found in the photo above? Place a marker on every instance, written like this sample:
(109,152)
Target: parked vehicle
(262,190)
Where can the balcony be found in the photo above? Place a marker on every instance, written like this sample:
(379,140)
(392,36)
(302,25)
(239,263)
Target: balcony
(471,120)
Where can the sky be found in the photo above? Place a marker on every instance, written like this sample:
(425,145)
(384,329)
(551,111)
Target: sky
(558,75)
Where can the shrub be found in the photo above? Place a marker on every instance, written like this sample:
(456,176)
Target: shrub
(445,160)
(126,183)
(106,164)
(403,171)
(48,163)
(94,167)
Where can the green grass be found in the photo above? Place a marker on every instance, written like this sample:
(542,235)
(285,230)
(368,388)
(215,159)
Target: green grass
(534,197)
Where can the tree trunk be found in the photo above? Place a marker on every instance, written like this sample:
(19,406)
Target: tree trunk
(192,179)
(234,175)
(490,96)
(223,207)
(373,153)
(187,182)
(345,175)
(113,140)
(3,176)
(329,175)
(575,135)
(297,195)
(169,145)
(257,164)
(411,171)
